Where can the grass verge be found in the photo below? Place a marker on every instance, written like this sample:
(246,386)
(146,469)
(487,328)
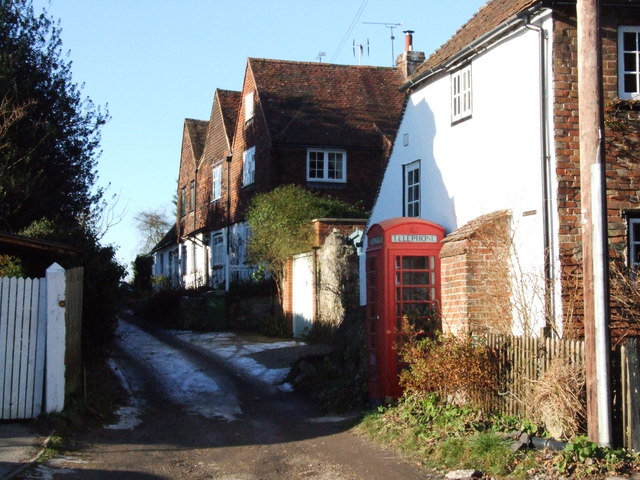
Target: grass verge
(444,437)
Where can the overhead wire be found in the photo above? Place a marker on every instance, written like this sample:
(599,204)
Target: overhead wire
(354,22)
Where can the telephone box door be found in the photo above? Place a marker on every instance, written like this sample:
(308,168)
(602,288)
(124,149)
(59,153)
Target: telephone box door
(403,294)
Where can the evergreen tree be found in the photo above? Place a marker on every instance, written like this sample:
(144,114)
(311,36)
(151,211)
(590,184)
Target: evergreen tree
(49,144)
(49,134)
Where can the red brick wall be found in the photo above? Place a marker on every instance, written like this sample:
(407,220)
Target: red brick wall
(622,154)
(475,291)
(365,169)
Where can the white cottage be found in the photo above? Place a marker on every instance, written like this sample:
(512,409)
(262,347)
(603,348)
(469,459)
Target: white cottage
(473,148)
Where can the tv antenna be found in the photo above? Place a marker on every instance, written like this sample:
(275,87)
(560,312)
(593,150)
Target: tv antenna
(320,55)
(359,47)
(390,26)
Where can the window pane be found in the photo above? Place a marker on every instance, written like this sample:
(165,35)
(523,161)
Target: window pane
(335,166)
(415,294)
(630,62)
(630,83)
(635,232)
(414,263)
(629,40)
(414,278)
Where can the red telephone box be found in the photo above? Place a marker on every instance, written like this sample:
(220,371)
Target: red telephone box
(403,284)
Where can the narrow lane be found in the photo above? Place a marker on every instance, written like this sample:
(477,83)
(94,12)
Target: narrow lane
(194,416)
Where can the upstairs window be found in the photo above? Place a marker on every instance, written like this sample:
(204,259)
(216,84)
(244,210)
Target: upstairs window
(183,201)
(629,63)
(192,195)
(216,187)
(461,99)
(326,165)
(411,189)
(248,106)
(248,166)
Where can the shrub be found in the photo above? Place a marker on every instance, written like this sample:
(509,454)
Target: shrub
(11,266)
(458,369)
(558,398)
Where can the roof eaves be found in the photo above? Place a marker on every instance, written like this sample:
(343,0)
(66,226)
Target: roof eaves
(472,48)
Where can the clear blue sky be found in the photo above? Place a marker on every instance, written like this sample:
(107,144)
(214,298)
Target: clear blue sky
(157,62)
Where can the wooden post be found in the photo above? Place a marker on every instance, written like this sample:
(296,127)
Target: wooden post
(595,281)
(54,376)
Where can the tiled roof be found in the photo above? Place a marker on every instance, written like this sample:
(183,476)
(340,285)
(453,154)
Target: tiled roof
(229,104)
(169,238)
(488,17)
(327,104)
(197,131)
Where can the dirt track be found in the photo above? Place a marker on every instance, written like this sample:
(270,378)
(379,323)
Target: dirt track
(277,436)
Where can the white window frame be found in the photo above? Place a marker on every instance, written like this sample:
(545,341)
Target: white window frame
(248,166)
(411,189)
(216,183)
(461,94)
(325,175)
(623,72)
(249,110)
(634,243)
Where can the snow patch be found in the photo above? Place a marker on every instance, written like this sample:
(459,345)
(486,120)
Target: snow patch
(197,392)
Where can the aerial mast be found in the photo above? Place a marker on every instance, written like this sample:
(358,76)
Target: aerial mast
(390,26)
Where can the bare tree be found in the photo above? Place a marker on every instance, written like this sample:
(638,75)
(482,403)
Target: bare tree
(152,225)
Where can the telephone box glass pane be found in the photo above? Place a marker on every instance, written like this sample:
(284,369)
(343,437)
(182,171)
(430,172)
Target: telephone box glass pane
(414,263)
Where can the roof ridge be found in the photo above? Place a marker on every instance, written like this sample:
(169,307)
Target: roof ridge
(188,119)
(321,64)
(226,90)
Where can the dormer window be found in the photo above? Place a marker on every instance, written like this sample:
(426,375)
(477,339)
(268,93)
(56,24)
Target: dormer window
(461,99)
(325,165)
(248,107)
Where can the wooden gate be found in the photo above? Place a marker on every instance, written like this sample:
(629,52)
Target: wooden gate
(22,352)
(39,342)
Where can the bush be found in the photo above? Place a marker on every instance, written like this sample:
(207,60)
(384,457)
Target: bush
(142,267)
(458,369)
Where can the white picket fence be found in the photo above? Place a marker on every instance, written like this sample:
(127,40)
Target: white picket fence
(33,344)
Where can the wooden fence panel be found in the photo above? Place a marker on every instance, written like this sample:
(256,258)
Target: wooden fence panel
(521,363)
(73,323)
(19,327)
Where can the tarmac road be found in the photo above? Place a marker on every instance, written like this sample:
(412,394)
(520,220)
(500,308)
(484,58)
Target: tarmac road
(260,433)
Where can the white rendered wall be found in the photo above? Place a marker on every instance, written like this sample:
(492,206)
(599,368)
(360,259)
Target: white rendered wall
(489,162)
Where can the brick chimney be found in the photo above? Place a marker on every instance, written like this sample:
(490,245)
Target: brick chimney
(408,61)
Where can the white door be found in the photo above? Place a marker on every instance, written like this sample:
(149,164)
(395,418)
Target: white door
(302,293)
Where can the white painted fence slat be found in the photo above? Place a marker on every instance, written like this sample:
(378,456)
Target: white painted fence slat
(24,305)
(11,325)
(4,315)
(40,345)
(31,353)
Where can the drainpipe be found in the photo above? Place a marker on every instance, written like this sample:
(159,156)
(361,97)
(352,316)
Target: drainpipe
(547,213)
